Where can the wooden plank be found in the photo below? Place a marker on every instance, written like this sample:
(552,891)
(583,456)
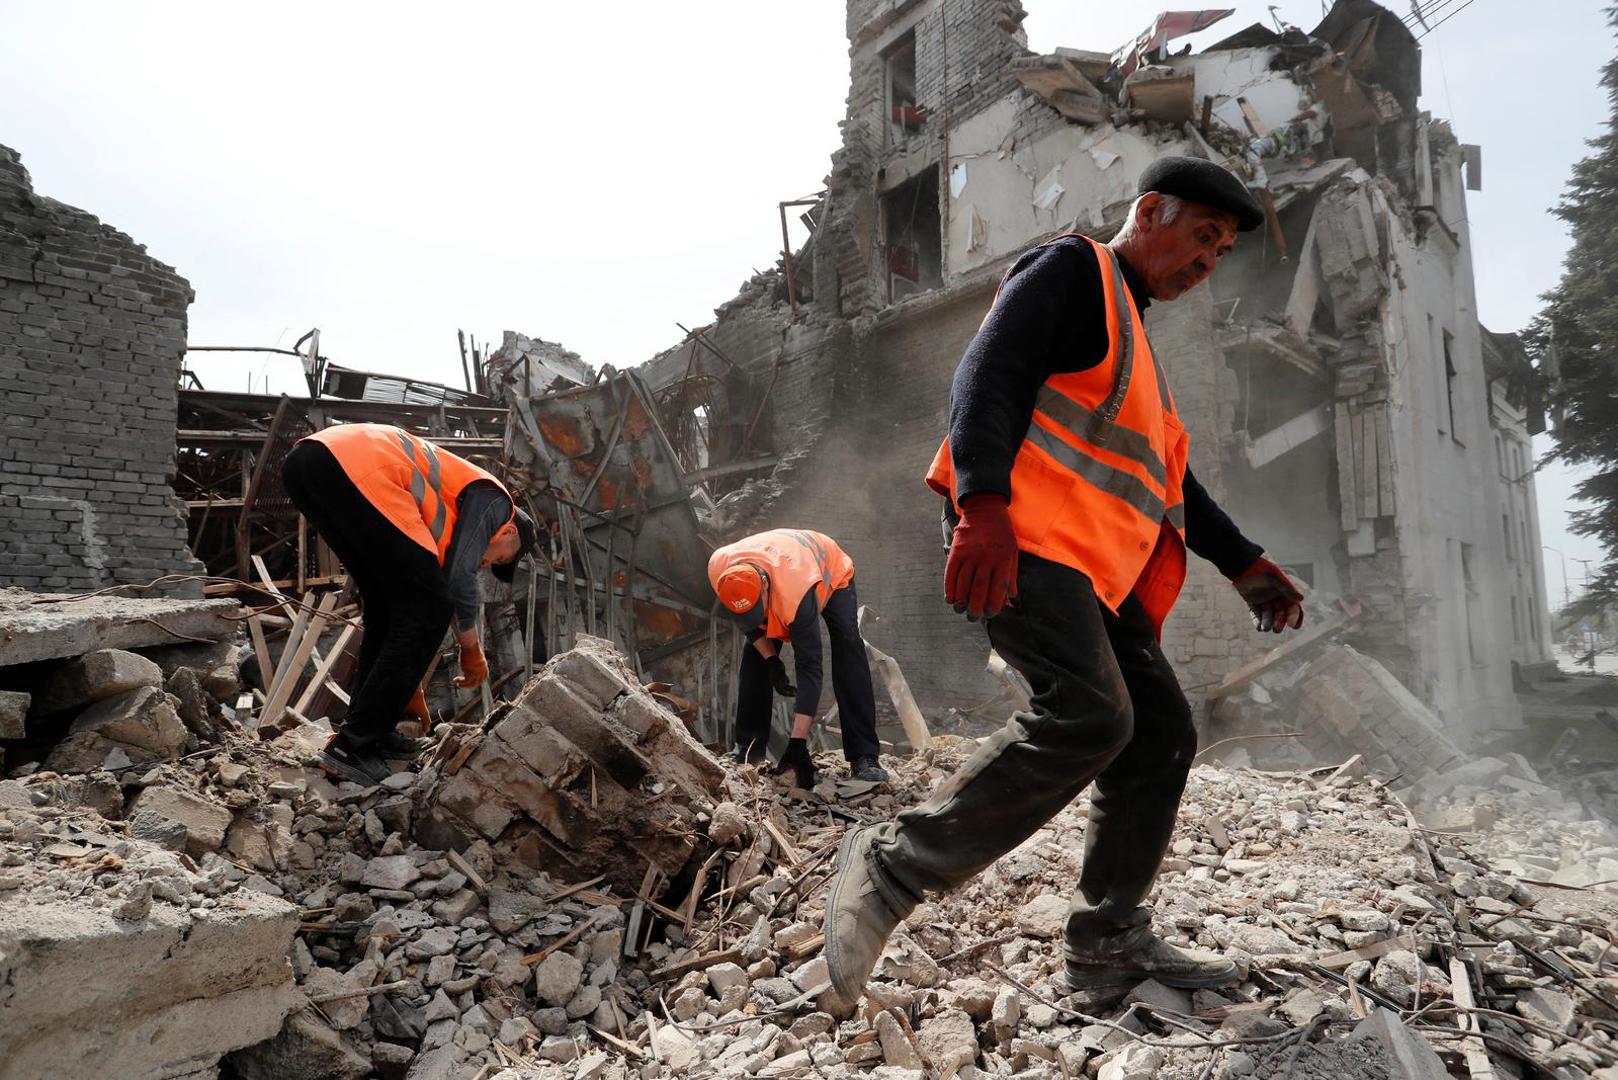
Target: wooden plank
(1478,1065)
(1245,674)
(806,947)
(788,852)
(1347,768)
(288,647)
(272,586)
(560,943)
(473,878)
(700,963)
(261,651)
(1339,960)
(286,679)
(1346,484)
(904,702)
(261,468)
(323,668)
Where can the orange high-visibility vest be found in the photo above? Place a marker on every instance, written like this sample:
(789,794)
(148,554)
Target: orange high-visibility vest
(794,561)
(415,484)
(1097,483)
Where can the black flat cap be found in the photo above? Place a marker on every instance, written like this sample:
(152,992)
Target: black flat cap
(1200,181)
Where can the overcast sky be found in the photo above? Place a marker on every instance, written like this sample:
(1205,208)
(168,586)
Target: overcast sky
(593,173)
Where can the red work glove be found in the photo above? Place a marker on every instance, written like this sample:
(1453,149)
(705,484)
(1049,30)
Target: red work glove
(980,577)
(1275,602)
(474,668)
(418,709)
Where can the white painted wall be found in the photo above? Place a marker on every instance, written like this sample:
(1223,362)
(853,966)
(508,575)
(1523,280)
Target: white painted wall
(1447,489)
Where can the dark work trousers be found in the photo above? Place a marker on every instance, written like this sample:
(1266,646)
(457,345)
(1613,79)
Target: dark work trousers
(850,682)
(404,599)
(1106,709)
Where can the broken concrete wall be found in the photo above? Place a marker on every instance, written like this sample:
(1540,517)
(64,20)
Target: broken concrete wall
(78,701)
(92,332)
(568,781)
(1341,703)
(959,57)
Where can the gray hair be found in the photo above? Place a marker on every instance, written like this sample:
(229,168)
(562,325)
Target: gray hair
(1171,206)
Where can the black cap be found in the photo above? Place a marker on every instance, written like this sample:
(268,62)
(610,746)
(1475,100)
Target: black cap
(525,537)
(1200,181)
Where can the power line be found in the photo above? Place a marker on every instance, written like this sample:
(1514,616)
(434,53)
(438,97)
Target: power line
(1419,14)
(1448,17)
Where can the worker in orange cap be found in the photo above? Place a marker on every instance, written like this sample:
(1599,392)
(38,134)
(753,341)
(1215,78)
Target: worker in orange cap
(777,584)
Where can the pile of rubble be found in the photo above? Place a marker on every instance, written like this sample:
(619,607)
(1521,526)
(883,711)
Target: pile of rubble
(1523,825)
(580,891)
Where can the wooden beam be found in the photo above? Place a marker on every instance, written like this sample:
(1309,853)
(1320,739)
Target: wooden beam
(260,470)
(288,674)
(323,669)
(1245,674)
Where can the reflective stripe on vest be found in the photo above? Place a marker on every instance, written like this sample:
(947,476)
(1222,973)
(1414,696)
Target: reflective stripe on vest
(821,560)
(421,483)
(1101,428)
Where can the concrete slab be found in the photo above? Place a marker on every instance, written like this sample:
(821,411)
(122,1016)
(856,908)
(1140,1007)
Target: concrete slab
(42,626)
(187,986)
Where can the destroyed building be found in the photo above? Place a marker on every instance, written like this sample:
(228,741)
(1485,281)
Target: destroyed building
(567,884)
(1345,403)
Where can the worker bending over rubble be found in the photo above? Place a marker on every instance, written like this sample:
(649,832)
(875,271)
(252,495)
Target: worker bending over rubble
(412,524)
(1068,510)
(777,584)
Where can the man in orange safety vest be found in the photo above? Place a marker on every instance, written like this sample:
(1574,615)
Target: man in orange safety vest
(412,524)
(1068,510)
(780,585)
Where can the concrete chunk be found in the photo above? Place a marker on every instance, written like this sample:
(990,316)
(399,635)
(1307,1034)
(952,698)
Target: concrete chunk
(1413,1057)
(37,626)
(13,713)
(140,725)
(948,1041)
(205,821)
(187,985)
(93,677)
(560,783)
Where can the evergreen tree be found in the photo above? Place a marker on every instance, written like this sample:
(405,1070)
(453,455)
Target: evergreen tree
(1575,339)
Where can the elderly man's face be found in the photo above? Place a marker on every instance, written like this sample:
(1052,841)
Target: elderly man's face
(1176,256)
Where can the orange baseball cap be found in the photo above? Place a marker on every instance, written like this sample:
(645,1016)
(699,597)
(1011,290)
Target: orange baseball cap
(739,588)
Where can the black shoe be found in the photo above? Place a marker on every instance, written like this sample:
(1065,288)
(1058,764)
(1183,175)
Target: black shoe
(755,754)
(395,746)
(868,768)
(356,764)
(1141,956)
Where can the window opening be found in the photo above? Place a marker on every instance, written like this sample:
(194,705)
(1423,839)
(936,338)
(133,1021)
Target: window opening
(911,225)
(1449,388)
(899,67)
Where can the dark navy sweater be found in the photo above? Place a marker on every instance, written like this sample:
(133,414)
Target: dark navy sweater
(1049,319)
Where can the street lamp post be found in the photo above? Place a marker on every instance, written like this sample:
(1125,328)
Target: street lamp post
(1567,598)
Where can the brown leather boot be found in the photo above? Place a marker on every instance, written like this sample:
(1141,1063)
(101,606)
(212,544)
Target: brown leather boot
(1139,954)
(859,920)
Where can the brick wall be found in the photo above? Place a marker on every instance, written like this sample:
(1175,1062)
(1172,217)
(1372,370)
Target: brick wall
(92,331)
(961,66)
